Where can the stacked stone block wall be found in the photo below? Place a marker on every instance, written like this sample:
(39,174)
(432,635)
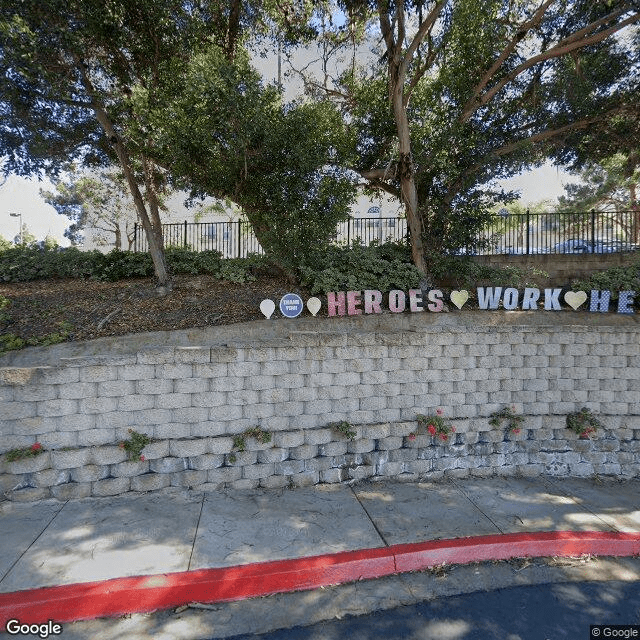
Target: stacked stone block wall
(195,402)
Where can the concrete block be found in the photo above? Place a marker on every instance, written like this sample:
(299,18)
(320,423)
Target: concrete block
(168,465)
(171,430)
(360,472)
(129,468)
(268,396)
(106,455)
(333,476)
(229,384)
(320,380)
(59,439)
(152,416)
(191,385)
(361,445)
(136,372)
(192,355)
(188,448)
(305,479)
(71,459)
(333,449)
(274,454)
(50,477)
(258,471)
(186,415)
(71,491)
(17,410)
(189,478)
(154,386)
(156,355)
(58,375)
(225,354)
(98,405)
(289,467)
(274,482)
(244,484)
(213,370)
(136,401)
(219,445)
(173,401)
(117,388)
(319,436)
(304,452)
(89,473)
(98,373)
(30,465)
(373,404)
(242,458)
(110,486)
(290,381)
(288,439)
(224,475)
(304,366)
(392,442)
(150,482)
(30,393)
(318,464)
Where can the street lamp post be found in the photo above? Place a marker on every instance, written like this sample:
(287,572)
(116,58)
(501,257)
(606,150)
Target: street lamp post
(18,215)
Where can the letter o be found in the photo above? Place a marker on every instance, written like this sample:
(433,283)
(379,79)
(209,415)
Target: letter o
(397,301)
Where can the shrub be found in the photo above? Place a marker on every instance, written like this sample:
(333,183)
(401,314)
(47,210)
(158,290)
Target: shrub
(615,279)
(381,267)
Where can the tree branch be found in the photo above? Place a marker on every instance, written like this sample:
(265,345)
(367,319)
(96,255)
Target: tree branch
(567,45)
(521,32)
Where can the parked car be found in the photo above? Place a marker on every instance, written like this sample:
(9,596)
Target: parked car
(573,246)
(585,246)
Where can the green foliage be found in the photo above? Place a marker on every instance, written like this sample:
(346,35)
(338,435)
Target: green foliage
(382,267)
(12,342)
(615,279)
(283,165)
(26,452)
(240,441)
(135,444)
(436,426)
(508,414)
(583,422)
(5,244)
(23,264)
(344,428)
(466,272)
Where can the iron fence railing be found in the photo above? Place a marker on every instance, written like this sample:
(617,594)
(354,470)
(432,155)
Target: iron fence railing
(562,232)
(237,239)
(526,233)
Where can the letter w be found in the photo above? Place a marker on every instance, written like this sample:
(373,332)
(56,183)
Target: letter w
(488,297)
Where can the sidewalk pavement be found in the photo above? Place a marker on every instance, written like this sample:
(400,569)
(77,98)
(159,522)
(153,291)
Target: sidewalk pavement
(99,557)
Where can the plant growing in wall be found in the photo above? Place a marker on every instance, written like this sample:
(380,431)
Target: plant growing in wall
(509,415)
(435,426)
(26,452)
(135,444)
(240,441)
(344,428)
(583,422)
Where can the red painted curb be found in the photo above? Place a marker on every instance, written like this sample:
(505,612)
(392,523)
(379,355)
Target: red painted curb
(118,596)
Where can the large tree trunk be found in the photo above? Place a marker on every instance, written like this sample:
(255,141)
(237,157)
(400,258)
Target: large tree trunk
(152,199)
(408,190)
(155,247)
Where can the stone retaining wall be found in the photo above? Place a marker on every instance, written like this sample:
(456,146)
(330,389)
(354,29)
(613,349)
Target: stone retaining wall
(193,400)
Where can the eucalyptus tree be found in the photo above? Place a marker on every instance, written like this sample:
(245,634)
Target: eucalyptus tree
(68,69)
(466,92)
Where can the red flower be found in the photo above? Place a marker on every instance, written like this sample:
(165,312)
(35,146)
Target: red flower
(412,436)
(453,429)
(439,412)
(121,445)
(443,436)
(142,458)
(516,430)
(431,429)
(36,446)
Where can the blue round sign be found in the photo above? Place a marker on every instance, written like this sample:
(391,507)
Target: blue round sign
(291,305)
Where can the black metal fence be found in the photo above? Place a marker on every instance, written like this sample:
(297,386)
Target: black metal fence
(237,239)
(562,232)
(527,233)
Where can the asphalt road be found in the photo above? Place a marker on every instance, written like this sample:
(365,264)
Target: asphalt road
(540,612)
